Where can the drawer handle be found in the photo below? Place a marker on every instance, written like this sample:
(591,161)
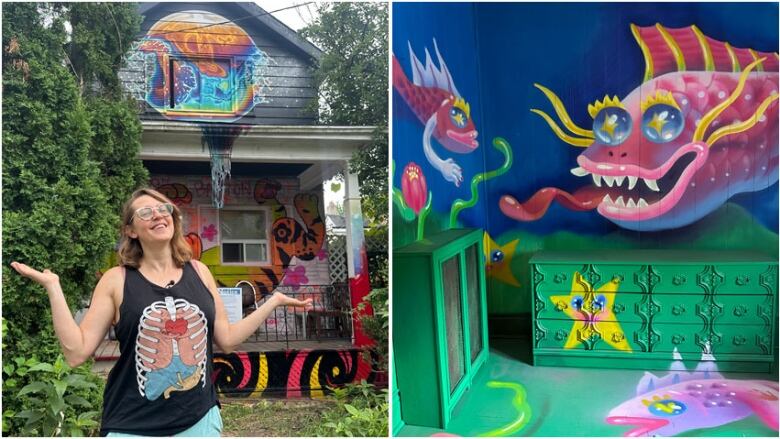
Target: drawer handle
(618,337)
(678,338)
(561,335)
(739,340)
(559,278)
(561,305)
(678,280)
(742,280)
(740,310)
(678,309)
(617,278)
(618,308)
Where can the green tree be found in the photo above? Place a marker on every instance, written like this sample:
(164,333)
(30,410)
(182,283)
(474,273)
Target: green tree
(70,146)
(352,81)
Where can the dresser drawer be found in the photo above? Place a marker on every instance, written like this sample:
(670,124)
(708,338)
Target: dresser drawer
(722,308)
(555,278)
(725,340)
(601,336)
(750,279)
(711,279)
(623,307)
(666,337)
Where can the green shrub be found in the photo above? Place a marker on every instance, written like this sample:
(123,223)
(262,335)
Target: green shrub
(50,399)
(361,410)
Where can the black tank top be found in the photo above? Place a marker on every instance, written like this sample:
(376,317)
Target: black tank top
(161,384)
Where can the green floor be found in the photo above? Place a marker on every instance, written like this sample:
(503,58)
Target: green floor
(563,401)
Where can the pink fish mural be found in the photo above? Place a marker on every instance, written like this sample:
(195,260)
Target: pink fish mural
(682,401)
(699,130)
(436,102)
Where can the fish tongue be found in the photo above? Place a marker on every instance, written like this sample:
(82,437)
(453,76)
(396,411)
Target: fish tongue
(586,198)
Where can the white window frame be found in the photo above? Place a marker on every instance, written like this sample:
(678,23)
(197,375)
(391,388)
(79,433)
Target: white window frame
(266,211)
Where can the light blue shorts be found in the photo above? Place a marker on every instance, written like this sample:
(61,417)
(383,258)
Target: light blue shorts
(210,425)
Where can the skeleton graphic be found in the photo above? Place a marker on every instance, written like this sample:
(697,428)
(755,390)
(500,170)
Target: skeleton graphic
(170,349)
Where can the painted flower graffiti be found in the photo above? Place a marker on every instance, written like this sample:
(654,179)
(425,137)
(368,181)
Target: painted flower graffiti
(414,187)
(295,277)
(209,232)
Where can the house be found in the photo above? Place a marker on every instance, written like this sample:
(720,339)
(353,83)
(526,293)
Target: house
(228,108)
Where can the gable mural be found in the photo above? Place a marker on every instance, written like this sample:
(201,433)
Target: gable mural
(200,67)
(677,146)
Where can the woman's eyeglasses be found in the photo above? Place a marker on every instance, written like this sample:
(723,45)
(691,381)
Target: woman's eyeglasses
(147,213)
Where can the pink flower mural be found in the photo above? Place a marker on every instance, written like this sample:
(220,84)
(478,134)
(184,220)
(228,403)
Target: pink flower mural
(209,232)
(414,187)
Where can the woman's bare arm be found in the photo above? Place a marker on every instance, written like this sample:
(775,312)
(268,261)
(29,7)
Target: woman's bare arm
(227,335)
(78,342)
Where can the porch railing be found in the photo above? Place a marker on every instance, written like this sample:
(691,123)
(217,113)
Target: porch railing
(329,319)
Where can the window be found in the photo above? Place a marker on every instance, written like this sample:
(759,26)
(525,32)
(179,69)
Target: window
(201,85)
(244,235)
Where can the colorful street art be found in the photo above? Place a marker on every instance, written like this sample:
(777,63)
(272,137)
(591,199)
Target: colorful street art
(295,243)
(700,129)
(292,373)
(682,401)
(201,67)
(436,102)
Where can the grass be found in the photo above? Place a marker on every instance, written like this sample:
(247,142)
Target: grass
(272,417)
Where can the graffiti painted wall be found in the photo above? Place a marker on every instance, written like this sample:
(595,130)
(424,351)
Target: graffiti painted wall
(585,126)
(273,233)
(292,373)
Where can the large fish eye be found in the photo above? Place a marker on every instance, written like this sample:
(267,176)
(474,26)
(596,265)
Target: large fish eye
(458,117)
(612,126)
(666,407)
(662,123)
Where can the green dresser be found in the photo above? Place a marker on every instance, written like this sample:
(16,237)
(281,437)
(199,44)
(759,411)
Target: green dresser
(439,323)
(633,308)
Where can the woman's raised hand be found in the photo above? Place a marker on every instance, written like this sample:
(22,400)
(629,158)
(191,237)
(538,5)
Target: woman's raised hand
(283,300)
(46,277)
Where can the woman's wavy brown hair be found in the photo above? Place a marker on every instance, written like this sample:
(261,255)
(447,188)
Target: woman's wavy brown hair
(130,251)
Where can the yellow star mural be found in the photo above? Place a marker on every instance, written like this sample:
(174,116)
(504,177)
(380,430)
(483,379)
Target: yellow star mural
(459,119)
(592,313)
(658,121)
(500,269)
(609,125)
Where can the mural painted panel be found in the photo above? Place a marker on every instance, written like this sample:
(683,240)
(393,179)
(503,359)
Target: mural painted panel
(589,126)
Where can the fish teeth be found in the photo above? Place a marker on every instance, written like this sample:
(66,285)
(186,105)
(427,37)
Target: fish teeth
(619,202)
(631,182)
(606,199)
(631,203)
(579,172)
(652,184)
(642,203)
(596,179)
(609,180)
(619,180)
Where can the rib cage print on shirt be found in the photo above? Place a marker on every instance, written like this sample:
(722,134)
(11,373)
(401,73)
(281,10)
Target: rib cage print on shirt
(170,349)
